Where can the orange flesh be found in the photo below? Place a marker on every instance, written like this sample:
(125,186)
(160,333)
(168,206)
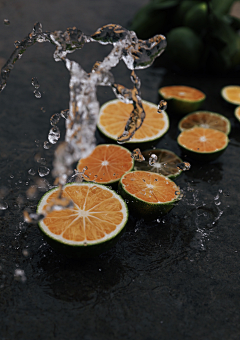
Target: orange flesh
(116,115)
(150,187)
(205,119)
(203,140)
(96,212)
(107,162)
(182,92)
(232,93)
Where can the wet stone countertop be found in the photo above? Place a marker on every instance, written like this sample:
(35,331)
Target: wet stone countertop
(174,278)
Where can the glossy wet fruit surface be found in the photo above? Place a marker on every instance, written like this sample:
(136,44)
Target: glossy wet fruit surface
(106,164)
(98,215)
(114,115)
(182,99)
(165,162)
(205,119)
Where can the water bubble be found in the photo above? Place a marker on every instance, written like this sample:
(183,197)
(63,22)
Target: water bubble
(6,22)
(3,205)
(54,135)
(184,166)
(37,94)
(43,171)
(137,155)
(35,83)
(19,275)
(152,159)
(162,106)
(55,119)
(32,172)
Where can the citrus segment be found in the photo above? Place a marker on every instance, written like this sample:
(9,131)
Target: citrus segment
(114,115)
(237,113)
(148,193)
(203,144)
(182,99)
(205,119)
(166,163)
(106,164)
(231,94)
(96,219)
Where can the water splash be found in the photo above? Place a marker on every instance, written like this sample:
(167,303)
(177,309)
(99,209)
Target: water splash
(81,118)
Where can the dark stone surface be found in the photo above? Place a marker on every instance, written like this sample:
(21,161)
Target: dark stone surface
(177,279)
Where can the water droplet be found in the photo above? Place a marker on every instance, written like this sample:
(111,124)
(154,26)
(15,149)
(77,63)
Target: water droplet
(162,106)
(137,155)
(54,135)
(184,166)
(158,220)
(43,171)
(6,22)
(47,145)
(152,159)
(42,161)
(19,275)
(16,43)
(55,119)
(37,94)
(3,205)
(11,176)
(32,172)
(64,113)
(35,83)
(25,252)
(43,109)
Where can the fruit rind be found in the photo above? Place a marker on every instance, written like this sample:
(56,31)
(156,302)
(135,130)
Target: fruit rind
(210,113)
(182,106)
(115,181)
(132,141)
(146,209)
(82,249)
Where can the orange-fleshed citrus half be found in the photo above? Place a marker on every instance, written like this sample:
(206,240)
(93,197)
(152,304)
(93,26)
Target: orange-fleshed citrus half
(203,144)
(182,99)
(106,164)
(149,194)
(114,115)
(91,227)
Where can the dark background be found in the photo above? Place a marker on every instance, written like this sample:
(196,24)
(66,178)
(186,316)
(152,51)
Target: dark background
(177,278)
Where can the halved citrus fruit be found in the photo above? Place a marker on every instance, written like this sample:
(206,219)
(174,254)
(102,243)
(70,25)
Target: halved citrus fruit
(203,144)
(165,163)
(91,227)
(114,115)
(148,194)
(205,119)
(182,99)
(237,113)
(106,164)
(231,94)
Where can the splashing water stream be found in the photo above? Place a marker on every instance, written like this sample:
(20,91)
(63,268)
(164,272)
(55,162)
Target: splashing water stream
(81,118)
